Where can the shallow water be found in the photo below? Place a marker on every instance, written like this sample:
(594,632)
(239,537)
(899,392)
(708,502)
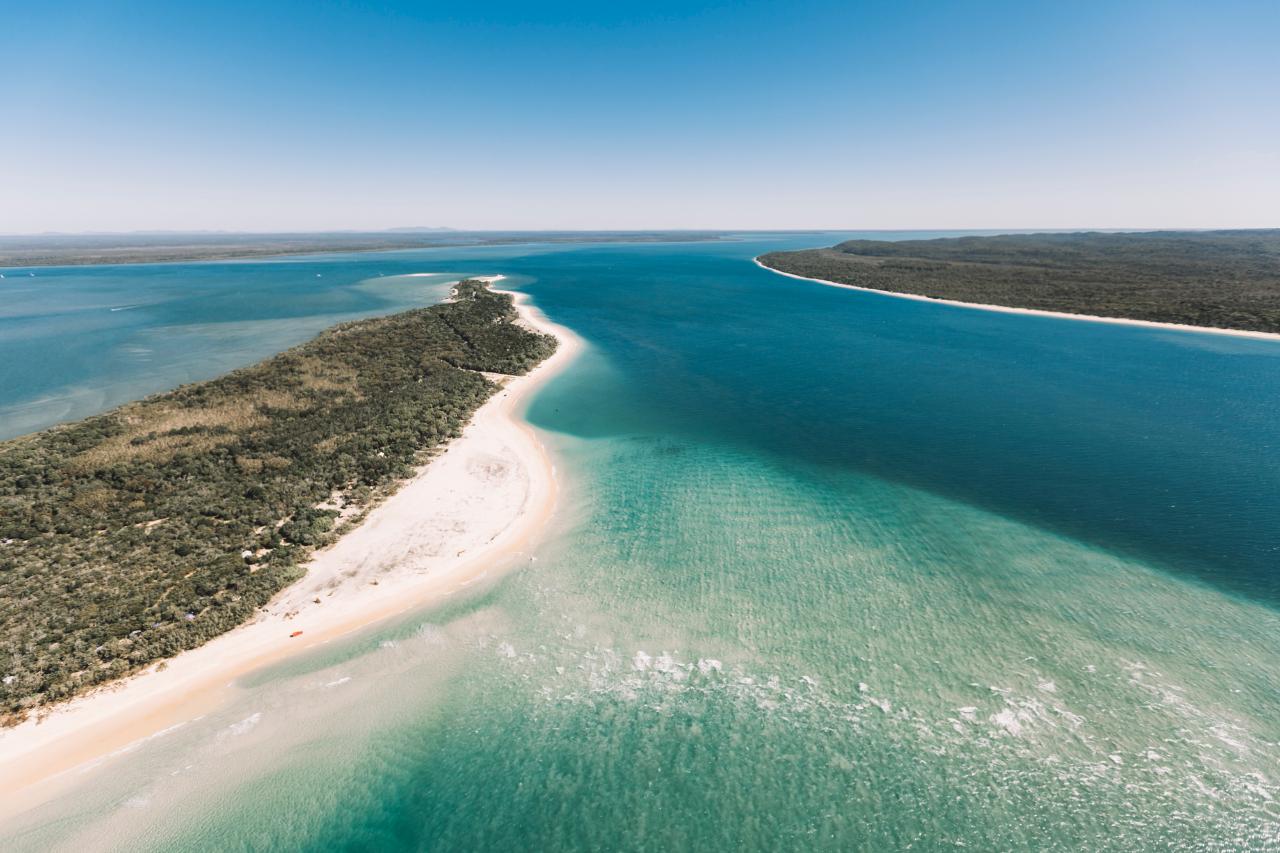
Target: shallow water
(836,571)
(77,340)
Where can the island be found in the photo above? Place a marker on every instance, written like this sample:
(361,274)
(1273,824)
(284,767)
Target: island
(1210,279)
(131,536)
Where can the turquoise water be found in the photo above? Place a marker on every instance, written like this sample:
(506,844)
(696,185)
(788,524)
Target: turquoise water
(836,571)
(77,340)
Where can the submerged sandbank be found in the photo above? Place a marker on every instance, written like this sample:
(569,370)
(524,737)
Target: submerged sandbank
(1035,312)
(468,512)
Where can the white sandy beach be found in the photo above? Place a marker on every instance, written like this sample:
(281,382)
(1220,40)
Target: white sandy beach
(1036,312)
(471,511)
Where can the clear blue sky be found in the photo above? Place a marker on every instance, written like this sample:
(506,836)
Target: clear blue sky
(305,115)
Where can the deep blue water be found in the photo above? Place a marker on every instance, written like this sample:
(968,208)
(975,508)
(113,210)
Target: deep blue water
(1156,443)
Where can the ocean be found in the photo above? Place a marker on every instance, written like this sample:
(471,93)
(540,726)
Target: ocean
(834,571)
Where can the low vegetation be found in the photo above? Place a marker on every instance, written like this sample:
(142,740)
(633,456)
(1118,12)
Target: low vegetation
(131,536)
(1224,279)
(74,249)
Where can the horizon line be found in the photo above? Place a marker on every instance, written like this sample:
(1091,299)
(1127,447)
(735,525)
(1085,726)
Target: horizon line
(442,231)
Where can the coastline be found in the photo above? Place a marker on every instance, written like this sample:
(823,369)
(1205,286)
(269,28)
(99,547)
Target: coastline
(467,512)
(134,255)
(1037,312)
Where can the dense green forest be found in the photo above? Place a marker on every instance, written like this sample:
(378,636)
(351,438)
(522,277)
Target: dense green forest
(1226,279)
(131,536)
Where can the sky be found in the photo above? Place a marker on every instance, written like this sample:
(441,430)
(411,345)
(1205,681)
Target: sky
(317,115)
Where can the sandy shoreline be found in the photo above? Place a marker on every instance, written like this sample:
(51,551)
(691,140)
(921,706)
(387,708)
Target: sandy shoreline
(473,509)
(1036,312)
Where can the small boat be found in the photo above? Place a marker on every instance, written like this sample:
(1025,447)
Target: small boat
(295,634)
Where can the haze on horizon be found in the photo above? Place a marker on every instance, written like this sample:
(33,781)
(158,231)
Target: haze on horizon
(293,116)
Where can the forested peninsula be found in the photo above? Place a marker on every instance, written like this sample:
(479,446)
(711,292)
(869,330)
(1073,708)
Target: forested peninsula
(1219,279)
(131,536)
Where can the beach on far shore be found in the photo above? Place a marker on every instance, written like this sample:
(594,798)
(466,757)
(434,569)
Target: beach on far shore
(1035,312)
(470,512)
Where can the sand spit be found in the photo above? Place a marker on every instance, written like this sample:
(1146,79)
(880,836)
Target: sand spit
(469,512)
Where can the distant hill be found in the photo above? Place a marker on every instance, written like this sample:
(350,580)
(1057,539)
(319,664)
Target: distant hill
(1221,279)
(419,229)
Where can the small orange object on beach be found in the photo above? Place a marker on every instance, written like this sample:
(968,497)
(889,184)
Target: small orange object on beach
(295,634)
